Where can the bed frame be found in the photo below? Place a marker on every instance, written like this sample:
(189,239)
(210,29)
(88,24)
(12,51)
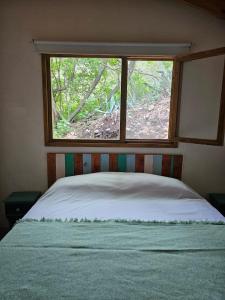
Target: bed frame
(69,164)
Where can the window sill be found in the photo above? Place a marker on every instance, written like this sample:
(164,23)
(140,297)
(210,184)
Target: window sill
(99,143)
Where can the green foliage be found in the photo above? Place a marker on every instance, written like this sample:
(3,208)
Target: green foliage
(87,87)
(62,127)
(150,81)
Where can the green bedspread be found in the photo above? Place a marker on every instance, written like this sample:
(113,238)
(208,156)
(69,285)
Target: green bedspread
(112,260)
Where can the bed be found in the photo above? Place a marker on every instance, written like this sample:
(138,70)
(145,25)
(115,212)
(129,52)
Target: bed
(115,226)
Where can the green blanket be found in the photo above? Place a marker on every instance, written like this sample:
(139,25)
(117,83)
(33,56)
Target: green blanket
(113,260)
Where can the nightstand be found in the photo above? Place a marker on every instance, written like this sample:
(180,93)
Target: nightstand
(18,203)
(3,232)
(218,201)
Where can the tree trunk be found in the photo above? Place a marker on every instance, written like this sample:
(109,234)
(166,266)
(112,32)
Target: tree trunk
(88,94)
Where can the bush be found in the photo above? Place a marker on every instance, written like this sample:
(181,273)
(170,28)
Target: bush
(62,128)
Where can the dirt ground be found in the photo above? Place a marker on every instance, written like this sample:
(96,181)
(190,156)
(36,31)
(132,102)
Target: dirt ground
(147,122)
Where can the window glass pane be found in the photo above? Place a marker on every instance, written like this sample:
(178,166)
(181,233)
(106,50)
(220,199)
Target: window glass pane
(148,99)
(85,98)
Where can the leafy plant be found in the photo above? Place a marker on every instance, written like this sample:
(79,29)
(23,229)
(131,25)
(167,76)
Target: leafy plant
(62,128)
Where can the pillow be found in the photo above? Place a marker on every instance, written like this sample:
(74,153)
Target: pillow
(119,184)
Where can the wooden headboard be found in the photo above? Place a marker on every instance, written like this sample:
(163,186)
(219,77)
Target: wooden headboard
(69,164)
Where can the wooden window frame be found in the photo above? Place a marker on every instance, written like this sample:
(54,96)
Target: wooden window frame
(171,142)
(219,140)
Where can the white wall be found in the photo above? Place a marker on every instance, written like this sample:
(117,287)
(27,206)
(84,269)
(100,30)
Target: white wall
(22,150)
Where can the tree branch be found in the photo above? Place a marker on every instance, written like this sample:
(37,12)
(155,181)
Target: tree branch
(88,94)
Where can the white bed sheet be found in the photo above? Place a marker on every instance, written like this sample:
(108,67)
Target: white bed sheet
(130,196)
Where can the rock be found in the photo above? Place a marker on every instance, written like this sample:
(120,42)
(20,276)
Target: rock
(151,107)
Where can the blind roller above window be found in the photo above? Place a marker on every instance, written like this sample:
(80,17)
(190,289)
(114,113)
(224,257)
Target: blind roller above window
(123,49)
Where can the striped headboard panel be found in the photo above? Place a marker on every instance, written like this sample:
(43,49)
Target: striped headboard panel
(68,164)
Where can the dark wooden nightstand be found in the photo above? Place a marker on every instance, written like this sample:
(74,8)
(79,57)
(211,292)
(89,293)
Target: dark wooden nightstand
(18,203)
(218,201)
(3,232)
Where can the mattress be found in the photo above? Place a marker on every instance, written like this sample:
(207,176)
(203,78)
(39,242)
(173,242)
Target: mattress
(118,195)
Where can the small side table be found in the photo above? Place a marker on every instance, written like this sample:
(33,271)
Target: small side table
(17,204)
(3,232)
(218,201)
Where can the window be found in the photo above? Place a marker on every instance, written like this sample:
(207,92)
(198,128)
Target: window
(132,94)
(102,101)
(148,99)
(86,96)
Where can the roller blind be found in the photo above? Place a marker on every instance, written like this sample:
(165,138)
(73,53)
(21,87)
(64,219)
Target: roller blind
(123,49)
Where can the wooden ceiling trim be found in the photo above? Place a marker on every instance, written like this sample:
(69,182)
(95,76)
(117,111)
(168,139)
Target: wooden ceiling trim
(216,7)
